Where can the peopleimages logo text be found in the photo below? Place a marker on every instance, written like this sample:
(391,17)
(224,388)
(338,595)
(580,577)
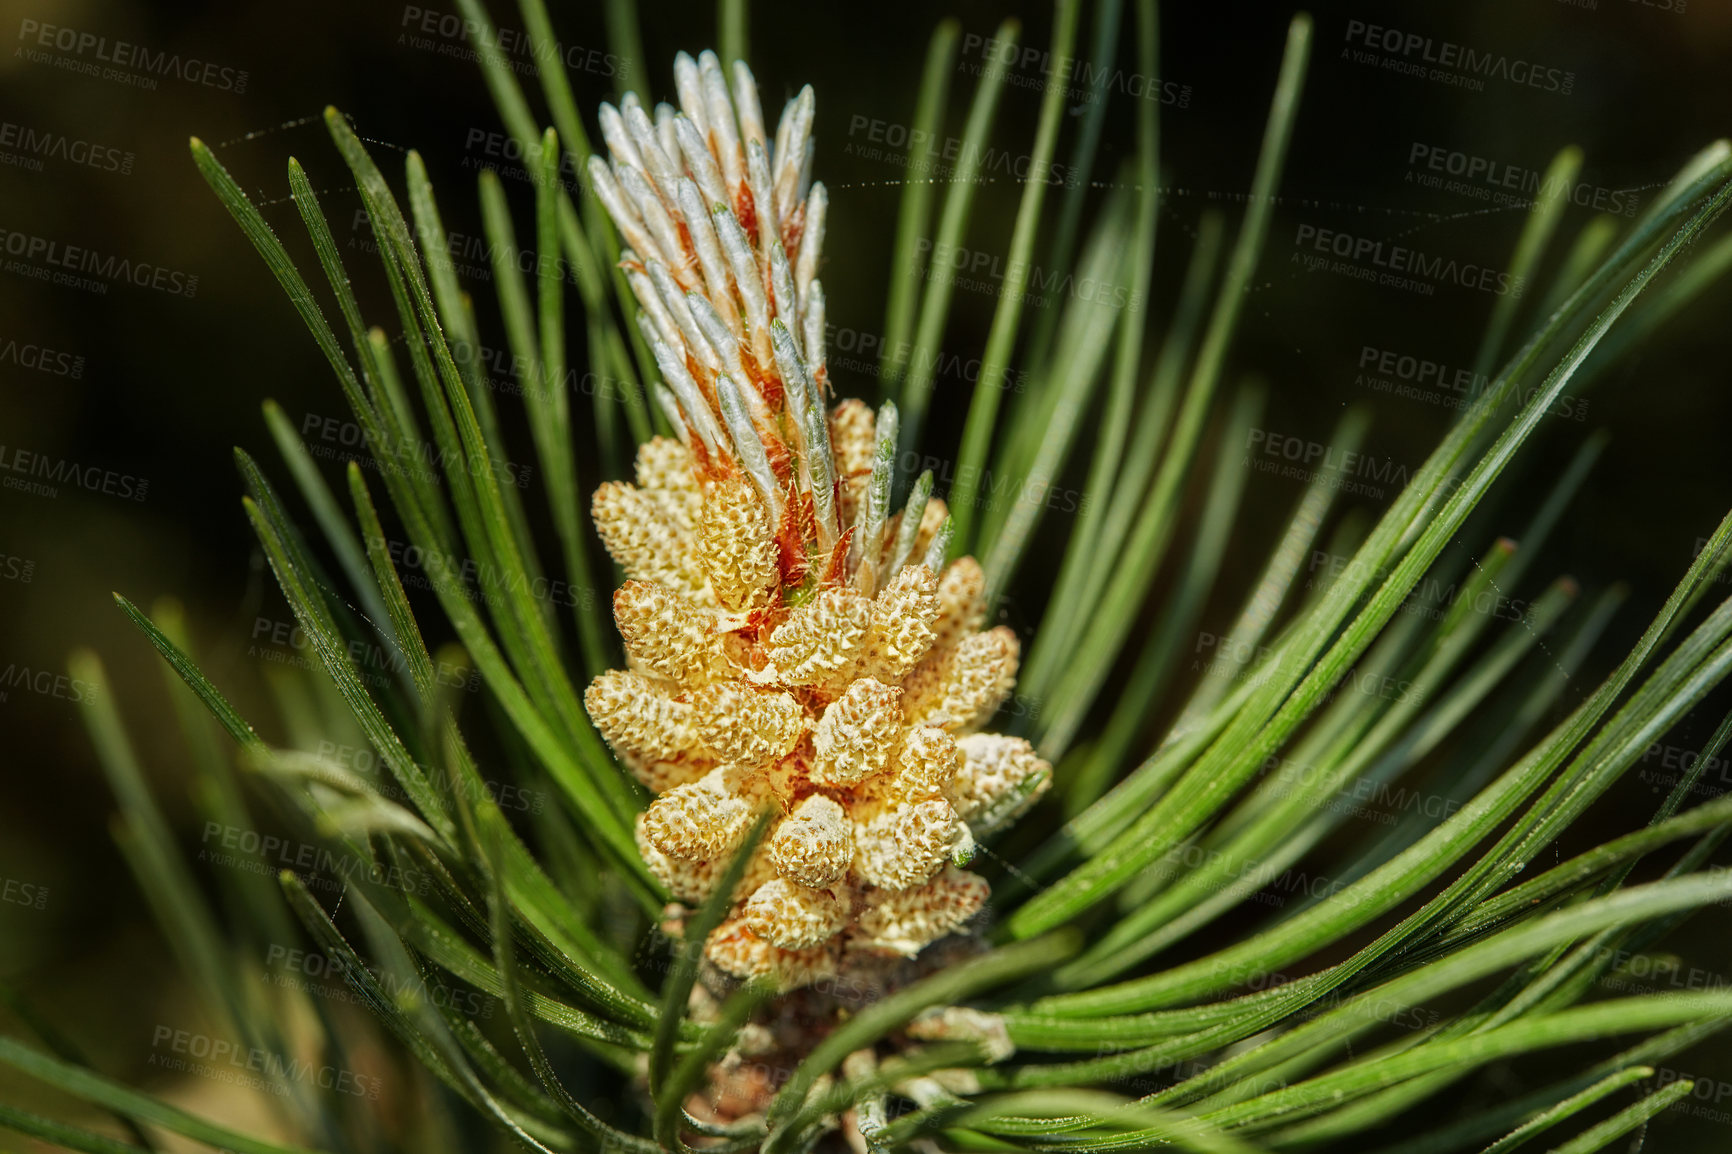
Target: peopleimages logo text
(79,259)
(37,144)
(466,35)
(1438,161)
(137,57)
(18,464)
(1455,61)
(1086,80)
(28,355)
(1401,259)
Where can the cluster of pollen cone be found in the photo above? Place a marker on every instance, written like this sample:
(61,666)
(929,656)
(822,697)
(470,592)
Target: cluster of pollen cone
(793,646)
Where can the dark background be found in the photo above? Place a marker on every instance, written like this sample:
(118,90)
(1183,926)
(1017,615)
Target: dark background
(168,385)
